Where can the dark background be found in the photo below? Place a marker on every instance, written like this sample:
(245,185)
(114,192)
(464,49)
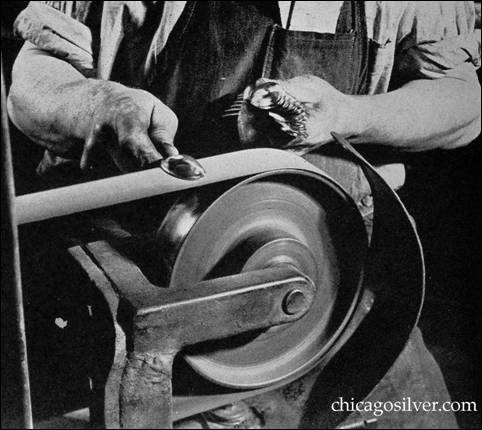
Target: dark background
(443,195)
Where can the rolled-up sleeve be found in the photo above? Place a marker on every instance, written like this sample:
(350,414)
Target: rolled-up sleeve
(437,39)
(58,28)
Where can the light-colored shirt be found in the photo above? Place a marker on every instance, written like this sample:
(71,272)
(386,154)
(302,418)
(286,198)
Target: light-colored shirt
(412,39)
(317,16)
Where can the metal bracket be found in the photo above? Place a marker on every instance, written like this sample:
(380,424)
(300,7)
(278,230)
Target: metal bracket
(162,322)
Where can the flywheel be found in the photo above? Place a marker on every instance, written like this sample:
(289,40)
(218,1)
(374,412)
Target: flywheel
(277,218)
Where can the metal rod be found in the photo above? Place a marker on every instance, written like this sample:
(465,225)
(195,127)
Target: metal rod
(10,241)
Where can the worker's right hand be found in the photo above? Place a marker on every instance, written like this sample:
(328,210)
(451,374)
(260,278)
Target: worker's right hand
(135,127)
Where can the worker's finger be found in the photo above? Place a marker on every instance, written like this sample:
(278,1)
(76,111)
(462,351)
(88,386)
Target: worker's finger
(89,147)
(308,88)
(163,128)
(135,151)
(167,149)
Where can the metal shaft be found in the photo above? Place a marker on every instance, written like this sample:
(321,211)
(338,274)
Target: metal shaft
(10,245)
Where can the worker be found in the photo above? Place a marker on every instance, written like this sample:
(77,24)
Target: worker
(145,80)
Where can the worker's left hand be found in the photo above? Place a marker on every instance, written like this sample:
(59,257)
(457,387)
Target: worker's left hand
(326,110)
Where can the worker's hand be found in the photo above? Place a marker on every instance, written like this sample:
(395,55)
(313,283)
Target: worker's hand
(325,108)
(132,125)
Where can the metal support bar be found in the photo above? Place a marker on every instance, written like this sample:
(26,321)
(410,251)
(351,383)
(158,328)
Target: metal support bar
(223,307)
(162,322)
(12,258)
(229,306)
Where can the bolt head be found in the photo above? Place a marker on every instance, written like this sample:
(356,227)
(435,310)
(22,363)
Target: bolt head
(294,302)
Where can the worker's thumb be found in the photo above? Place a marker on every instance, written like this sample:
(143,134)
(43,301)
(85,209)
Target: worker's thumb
(163,129)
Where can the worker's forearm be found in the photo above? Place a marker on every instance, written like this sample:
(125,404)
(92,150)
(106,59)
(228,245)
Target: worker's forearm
(51,102)
(422,115)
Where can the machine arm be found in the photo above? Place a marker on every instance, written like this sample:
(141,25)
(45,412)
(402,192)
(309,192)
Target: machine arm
(164,321)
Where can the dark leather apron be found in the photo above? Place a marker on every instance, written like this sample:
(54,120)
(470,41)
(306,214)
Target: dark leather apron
(218,48)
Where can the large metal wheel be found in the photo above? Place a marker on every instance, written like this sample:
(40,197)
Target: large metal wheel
(288,217)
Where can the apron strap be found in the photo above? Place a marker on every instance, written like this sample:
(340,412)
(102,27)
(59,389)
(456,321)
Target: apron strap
(353,19)
(290,14)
